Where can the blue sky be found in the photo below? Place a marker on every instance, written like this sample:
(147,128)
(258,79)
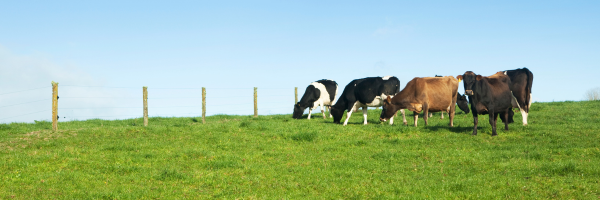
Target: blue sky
(231,46)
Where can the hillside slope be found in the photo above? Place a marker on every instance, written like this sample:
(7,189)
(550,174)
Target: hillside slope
(275,156)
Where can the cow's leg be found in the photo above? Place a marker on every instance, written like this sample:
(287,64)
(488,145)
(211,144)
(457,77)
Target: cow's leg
(529,105)
(322,109)
(403,117)
(524,114)
(493,118)
(442,113)
(348,117)
(430,114)
(364,109)
(426,111)
(309,112)
(451,114)
(506,119)
(330,116)
(416,117)
(392,118)
(475,122)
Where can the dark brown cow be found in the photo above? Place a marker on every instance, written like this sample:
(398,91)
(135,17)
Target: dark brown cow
(429,94)
(488,95)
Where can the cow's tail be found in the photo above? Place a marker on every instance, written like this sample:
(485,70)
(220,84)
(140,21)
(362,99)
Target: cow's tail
(528,90)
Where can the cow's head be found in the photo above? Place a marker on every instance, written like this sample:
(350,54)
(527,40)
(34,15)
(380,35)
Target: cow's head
(463,103)
(337,114)
(470,78)
(388,110)
(298,111)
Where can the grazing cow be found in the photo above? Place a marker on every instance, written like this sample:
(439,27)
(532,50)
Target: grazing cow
(429,94)
(320,93)
(462,102)
(363,93)
(521,81)
(488,95)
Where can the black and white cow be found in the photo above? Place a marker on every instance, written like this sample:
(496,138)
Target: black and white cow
(363,93)
(521,81)
(319,93)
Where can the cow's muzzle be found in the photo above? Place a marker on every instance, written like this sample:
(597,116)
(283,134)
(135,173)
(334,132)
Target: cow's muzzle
(382,119)
(469,92)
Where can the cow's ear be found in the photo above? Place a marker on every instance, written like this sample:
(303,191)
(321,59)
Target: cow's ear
(459,77)
(478,77)
(388,100)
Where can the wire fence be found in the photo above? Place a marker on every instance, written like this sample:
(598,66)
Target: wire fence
(78,102)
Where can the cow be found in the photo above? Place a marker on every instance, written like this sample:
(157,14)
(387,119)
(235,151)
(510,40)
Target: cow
(319,93)
(488,95)
(429,94)
(441,112)
(521,81)
(461,101)
(363,93)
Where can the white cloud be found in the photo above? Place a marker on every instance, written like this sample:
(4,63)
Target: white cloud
(23,72)
(391,30)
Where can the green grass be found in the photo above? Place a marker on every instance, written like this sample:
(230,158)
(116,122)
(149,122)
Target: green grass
(556,157)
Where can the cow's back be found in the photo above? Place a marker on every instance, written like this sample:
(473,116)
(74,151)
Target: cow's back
(389,86)
(521,83)
(440,92)
(494,93)
(331,87)
(437,92)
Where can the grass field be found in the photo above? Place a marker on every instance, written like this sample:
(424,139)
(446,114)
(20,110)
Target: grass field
(273,157)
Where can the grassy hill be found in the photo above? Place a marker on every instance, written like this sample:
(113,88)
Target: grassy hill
(557,156)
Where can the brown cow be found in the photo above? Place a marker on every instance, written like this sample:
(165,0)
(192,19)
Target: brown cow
(429,94)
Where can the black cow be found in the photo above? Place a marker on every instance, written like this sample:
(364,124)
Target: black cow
(521,81)
(488,95)
(363,93)
(319,93)
(462,102)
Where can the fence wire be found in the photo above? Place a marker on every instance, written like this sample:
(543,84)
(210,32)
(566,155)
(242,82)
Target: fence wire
(218,101)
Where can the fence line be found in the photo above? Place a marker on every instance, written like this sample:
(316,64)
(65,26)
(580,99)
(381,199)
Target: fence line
(25,114)
(24,90)
(99,86)
(24,103)
(203,105)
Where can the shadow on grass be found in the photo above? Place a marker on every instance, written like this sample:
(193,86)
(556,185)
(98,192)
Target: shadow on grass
(456,129)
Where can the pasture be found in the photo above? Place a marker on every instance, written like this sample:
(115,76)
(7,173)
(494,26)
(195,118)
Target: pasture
(273,157)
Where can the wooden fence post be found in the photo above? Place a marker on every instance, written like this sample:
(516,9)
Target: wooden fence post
(255,103)
(145,105)
(54,106)
(203,105)
(296,95)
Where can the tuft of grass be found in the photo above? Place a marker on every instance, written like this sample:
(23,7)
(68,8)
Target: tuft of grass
(304,136)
